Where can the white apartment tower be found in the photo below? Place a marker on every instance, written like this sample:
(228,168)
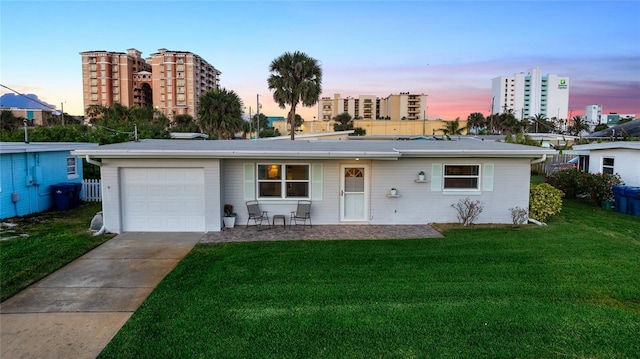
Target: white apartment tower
(531,94)
(593,114)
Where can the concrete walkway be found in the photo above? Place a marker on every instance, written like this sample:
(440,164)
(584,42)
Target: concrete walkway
(76,311)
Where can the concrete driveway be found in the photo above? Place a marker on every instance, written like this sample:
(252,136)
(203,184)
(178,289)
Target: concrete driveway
(76,311)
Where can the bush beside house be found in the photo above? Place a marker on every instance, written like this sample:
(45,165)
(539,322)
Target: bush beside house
(544,201)
(573,182)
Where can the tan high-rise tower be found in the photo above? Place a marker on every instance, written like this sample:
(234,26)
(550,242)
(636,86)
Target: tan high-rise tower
(170,81)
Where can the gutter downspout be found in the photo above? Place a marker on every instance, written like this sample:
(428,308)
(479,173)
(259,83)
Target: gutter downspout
(99,164)
(541,159)
(93,162)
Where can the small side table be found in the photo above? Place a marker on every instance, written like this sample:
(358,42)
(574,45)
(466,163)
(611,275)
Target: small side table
(280,217)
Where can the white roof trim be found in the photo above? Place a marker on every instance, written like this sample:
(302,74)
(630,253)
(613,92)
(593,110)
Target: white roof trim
(609,145)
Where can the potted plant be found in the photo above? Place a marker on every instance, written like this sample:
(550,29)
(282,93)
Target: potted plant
(421,176)
(229,216)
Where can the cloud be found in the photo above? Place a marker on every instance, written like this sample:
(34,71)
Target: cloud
(27,101)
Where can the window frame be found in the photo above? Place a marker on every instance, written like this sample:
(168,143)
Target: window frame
(478,187)
(72,169)
(607,166)
(283,181)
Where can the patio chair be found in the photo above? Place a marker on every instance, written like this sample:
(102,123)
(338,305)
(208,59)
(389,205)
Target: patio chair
(302,214)
(258,216)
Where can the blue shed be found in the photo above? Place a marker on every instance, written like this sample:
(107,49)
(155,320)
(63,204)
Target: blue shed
(27,171)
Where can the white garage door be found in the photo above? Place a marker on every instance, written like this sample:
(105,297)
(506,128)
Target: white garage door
(162,199)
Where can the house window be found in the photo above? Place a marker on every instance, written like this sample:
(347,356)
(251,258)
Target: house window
(607,165)
(283,181)
(72,168)
(461,177)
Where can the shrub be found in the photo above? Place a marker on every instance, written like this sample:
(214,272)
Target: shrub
(544,201)
(600,185)
(574,182)
(468,210)
(569,181)
(518,216)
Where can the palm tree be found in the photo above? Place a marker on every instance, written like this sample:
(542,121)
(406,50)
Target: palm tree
(475,121)
(220,112)
(579,124)
(507,122)
(295,78)
(184,123)
(262,122)
(542,124)
(452,128)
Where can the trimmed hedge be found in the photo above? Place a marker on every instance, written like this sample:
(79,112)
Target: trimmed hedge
(544,201)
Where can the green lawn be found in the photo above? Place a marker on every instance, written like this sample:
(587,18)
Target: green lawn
(51,240)
(571,289)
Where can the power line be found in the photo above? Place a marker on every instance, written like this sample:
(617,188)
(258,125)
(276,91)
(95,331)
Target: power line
(134,133)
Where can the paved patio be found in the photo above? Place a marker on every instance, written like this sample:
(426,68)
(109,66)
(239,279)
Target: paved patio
(323,232)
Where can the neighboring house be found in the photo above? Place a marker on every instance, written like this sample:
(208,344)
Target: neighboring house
(335,135)
(179,186)
(35,116)
(621,157)
(27,171)
(623,131)
(188,136)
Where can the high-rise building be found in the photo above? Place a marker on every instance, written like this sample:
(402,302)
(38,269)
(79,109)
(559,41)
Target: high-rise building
(403,106)
(593,114)
(531,94)
(170,81)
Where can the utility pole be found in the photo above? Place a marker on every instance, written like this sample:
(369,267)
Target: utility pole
(62,111)
(258,116)
(491,113)
(250,122)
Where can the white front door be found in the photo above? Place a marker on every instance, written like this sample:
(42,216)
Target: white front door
(354,200)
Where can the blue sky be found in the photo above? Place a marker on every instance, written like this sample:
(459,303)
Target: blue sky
(447,50)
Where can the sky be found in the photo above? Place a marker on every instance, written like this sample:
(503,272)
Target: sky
(449,50)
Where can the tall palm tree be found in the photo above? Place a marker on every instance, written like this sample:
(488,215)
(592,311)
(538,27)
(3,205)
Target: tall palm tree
(220,112)
(295,79)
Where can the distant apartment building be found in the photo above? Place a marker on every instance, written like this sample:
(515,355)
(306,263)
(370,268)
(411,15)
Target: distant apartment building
(403,106)
(531,94)
(170,81)
(594,116)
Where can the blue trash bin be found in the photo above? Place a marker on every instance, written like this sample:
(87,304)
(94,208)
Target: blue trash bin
(77,188)
(620,197)
(633,200)
(61,196)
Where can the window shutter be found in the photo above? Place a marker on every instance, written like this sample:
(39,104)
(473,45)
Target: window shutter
(316,181)
(436,177)
(487,177)
(249,182)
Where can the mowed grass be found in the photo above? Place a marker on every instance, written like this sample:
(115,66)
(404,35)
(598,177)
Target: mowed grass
(41,243)
(571,289)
